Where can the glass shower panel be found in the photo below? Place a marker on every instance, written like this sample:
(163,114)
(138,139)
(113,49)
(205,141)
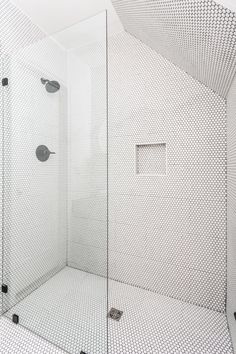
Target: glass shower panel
(55,186)
(34,210)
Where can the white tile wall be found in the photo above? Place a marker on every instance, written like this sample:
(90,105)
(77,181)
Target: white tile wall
(198,36)
(157,224)
(17,30)
(169,232)
(151,159)
(231,215)
(88,153)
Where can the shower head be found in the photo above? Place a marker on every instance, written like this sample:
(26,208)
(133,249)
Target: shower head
(51,86)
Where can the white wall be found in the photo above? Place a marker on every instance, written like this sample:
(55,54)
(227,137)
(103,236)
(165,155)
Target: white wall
(190,34)
(231,215)
(88,153)
(166,233)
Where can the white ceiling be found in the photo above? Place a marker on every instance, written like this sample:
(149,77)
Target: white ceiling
(230,4)
(55,15)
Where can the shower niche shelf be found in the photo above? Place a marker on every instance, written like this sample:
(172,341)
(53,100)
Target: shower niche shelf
(150,159)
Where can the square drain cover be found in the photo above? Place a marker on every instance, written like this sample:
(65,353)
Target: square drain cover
(115,314)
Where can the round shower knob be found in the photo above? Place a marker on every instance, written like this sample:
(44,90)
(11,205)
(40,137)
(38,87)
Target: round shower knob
(43,153)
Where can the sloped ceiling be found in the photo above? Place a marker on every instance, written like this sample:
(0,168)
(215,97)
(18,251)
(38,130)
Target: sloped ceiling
(199,36)
(55,15)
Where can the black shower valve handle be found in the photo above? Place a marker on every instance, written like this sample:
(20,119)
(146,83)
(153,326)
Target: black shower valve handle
(43,153)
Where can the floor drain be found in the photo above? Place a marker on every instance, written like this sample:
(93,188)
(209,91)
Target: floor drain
(115,314)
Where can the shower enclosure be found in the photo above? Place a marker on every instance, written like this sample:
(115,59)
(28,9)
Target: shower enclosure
(118,180)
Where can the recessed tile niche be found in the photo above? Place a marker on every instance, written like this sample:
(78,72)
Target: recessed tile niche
(151,159)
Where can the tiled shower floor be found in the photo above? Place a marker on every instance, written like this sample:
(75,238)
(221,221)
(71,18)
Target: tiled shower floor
(70,311)
(16,339)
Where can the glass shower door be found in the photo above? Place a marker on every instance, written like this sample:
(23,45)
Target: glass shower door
(55,187)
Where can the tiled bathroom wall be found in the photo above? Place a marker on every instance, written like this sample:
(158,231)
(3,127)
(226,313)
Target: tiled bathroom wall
(197,36)
(167,228)
(87,248)
(167,173)
(231,210)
